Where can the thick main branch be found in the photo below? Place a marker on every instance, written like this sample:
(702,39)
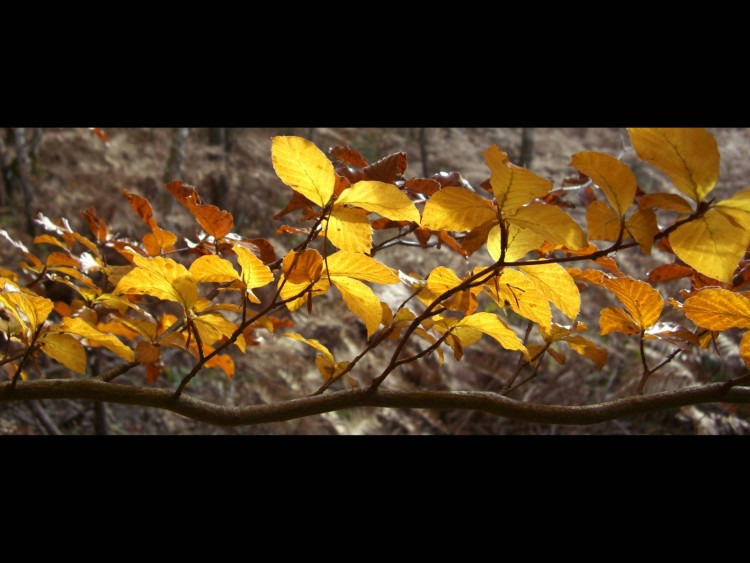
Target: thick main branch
(492,403)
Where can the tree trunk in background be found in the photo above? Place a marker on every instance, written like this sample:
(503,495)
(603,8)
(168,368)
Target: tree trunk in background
(7,188)
(36,142)
(527,147)
(216,135)
(229,140)
(423,151)
(174,165)
(24,174)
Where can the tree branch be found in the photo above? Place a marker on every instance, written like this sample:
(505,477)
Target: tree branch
(491,403)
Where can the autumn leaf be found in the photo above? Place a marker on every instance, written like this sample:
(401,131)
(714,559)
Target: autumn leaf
(737,207)
(672,202)
(326,353)
(512,186)
(718,309)
(689,156)
(303,167)
(159,277)
(614,319)
(79,327)
(552,223)
(587,349)
(349,229)
(302,267)
(147,353)
(216,222)
(602,221)
(642,301)
(614,178)
(65,349)
(387,169)
(712,244)
(669,272)
(556,284)
(456,209)
(515,290)
(349,155)
(361,301)
(642,226)
(443,279)
(521,241)
(29,310)
(212,327)
(361,267)
(745,348)
(381,198)
(255,273)
(212,268)
(491,325)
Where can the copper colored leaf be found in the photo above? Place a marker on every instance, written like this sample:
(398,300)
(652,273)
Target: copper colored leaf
(147,353)
(297,201)
(387,169)
(141,206)
(349,155)
(424,186)
(474,240)
(289,230)
(97,225)
(213,220)
(588,349)
(669,272)
(100,134)
(153,371)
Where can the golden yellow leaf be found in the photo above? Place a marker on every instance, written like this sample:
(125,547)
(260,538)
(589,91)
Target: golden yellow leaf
(602,221)
(443,279)
(492,326)
(212,327)
(349,229)
(673,202)
(28,309)
(689,156)
(522,295)
(556,285)
(456,209)
(718,309)
(552,223)
(80,327)
(588,349)
(254,272)
(614,319)
(712,244)
(512,186)
(384,199)
(123,329)
(291,290)
(159,277)
(147,353)
(745,348)
(737,207)
(597,277)
(211,268)
(302,267)
(520,242)
(641,300)
(614,178)
(361,301)
(642,226)
(314,343)
(119,304)
(303,167)
(65,349)
(361,267)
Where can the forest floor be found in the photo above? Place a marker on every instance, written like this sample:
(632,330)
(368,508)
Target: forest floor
(75,170)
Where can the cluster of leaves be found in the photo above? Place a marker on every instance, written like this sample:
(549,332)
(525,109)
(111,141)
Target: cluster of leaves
(136,298)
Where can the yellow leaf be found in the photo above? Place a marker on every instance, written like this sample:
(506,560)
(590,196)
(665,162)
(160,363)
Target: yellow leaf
(522,295)
(712,244)
(603,223)
(159,277)
(314,343)
(291,290)
(110,301)
(614,178)
(491,325)
(456,209)
(361,267)
(212,327)
(689,156)
(588,349)
(614,319)
(745,348)
(30,310)
(361,301)
(303,167)
(443,279)
(520,242)
(124,329)
(597,277)
(384,199)
(302,267)
(254,272)
(211,268)
(642,226)
(673,202)
(80,327)
(737,207)
(552,223)
(66,350)
(512,186)
(641,300)
(718,309)
(556,285)
(349,229)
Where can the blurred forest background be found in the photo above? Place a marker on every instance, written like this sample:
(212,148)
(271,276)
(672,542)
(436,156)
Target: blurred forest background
(62,171)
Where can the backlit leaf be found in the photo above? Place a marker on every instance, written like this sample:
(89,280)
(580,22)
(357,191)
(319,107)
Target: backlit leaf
(443,279)
(552,223)
(349,155)
(159,277)
(614,178)
(384,199)
(669,272)
(642,301)
(513,186)
(602,221)
(712,244)
(30,310)
(556,285)
(737,207)
(642,226)
(302,267)
(312,342)
(65,349)
(147,353)
(492,326)
(361,267)
(216,222)
(212,268)
(80,327)
(387,169)
(588,349)
(456,209)
(349,229)
(515,290)
(254,272)
(718,309)
(213,327)
(361,301)
(672,202)
(303,167)
(520,242)
(614,319)
(689,156)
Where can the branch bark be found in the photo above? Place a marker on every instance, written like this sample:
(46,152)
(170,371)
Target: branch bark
(492,403)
